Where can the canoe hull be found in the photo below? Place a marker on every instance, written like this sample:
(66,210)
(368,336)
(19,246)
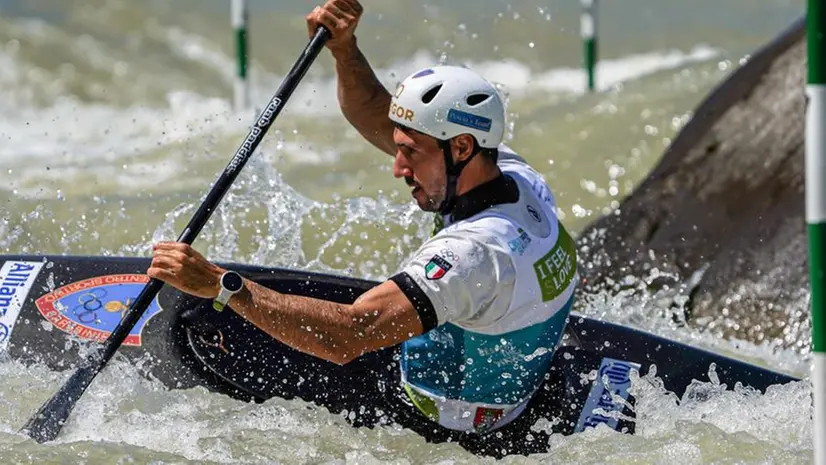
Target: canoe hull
(73,302)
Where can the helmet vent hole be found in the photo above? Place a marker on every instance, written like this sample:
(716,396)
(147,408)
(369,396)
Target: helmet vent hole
(477,99)
(431,94)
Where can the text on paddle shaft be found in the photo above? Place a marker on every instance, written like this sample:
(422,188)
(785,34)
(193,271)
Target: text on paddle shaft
(253,137)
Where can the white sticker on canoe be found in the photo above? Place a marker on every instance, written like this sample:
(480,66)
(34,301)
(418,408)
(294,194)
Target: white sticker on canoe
(613,379)
(16,279)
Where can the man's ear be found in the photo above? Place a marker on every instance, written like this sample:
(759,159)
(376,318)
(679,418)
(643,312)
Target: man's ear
(462,147)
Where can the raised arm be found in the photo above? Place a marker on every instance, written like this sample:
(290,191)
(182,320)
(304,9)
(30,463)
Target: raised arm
(363,99)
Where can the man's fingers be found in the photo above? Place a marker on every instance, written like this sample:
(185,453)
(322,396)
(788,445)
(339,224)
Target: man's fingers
(312,20)
(166,261)
(352,6)
(179,250)
(330,21)
(336,11)
(343,11)
(169,245)
(338,16)
(162,274)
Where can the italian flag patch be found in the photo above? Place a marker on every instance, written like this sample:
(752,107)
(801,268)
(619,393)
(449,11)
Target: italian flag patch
(436,267)
(486,418)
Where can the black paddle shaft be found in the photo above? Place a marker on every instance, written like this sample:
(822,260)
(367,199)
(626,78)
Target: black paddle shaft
(46,423)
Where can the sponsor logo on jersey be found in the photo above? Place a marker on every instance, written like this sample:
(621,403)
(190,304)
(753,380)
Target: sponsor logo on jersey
(520,243)
(558,267)
(534,214)
(436,267)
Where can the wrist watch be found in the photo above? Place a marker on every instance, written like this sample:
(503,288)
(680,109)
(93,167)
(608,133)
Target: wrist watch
(231,284)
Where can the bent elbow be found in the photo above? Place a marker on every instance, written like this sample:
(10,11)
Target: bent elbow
(342,353)
(344,359)
(352,341)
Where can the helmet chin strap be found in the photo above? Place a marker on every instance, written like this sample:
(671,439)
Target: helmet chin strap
(453,171)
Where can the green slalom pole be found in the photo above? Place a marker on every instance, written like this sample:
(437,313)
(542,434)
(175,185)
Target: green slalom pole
(816,210)
(239,25)
(588,27)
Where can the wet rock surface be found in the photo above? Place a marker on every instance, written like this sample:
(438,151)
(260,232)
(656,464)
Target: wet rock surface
(720,221)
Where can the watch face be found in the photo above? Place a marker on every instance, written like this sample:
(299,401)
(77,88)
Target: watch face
(232,281)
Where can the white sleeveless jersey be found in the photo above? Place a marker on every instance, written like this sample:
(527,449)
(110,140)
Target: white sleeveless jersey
(501,284)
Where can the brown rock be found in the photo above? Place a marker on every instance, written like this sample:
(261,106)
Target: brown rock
(725,204)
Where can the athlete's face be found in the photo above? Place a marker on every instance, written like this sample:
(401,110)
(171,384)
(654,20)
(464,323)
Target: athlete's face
(420,161)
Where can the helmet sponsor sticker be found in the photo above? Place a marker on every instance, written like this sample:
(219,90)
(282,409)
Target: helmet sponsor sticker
(422,73)
(399,90)
(469,120)
(401,112)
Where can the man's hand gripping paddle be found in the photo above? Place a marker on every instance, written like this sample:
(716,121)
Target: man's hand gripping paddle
(46,423)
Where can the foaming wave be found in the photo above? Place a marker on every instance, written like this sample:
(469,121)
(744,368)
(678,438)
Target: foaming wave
(70,131)
(632,302)
(126,415)
(519,79)
(516,79)
(710,420)
(74,129)
(106,145)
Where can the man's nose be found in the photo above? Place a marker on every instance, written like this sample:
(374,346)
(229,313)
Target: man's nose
(400,169)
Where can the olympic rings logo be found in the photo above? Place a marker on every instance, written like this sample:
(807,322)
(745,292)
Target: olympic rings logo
(88,305)
(448,254)
(90,302)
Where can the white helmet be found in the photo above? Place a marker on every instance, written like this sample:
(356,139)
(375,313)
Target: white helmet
(446,101)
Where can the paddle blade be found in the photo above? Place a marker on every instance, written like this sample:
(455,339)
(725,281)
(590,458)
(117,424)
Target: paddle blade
(45,425)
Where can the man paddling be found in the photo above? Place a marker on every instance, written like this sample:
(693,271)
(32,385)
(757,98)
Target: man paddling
(481,306)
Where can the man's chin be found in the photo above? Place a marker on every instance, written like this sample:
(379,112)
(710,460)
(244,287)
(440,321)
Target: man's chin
(427,205)
(425,202)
